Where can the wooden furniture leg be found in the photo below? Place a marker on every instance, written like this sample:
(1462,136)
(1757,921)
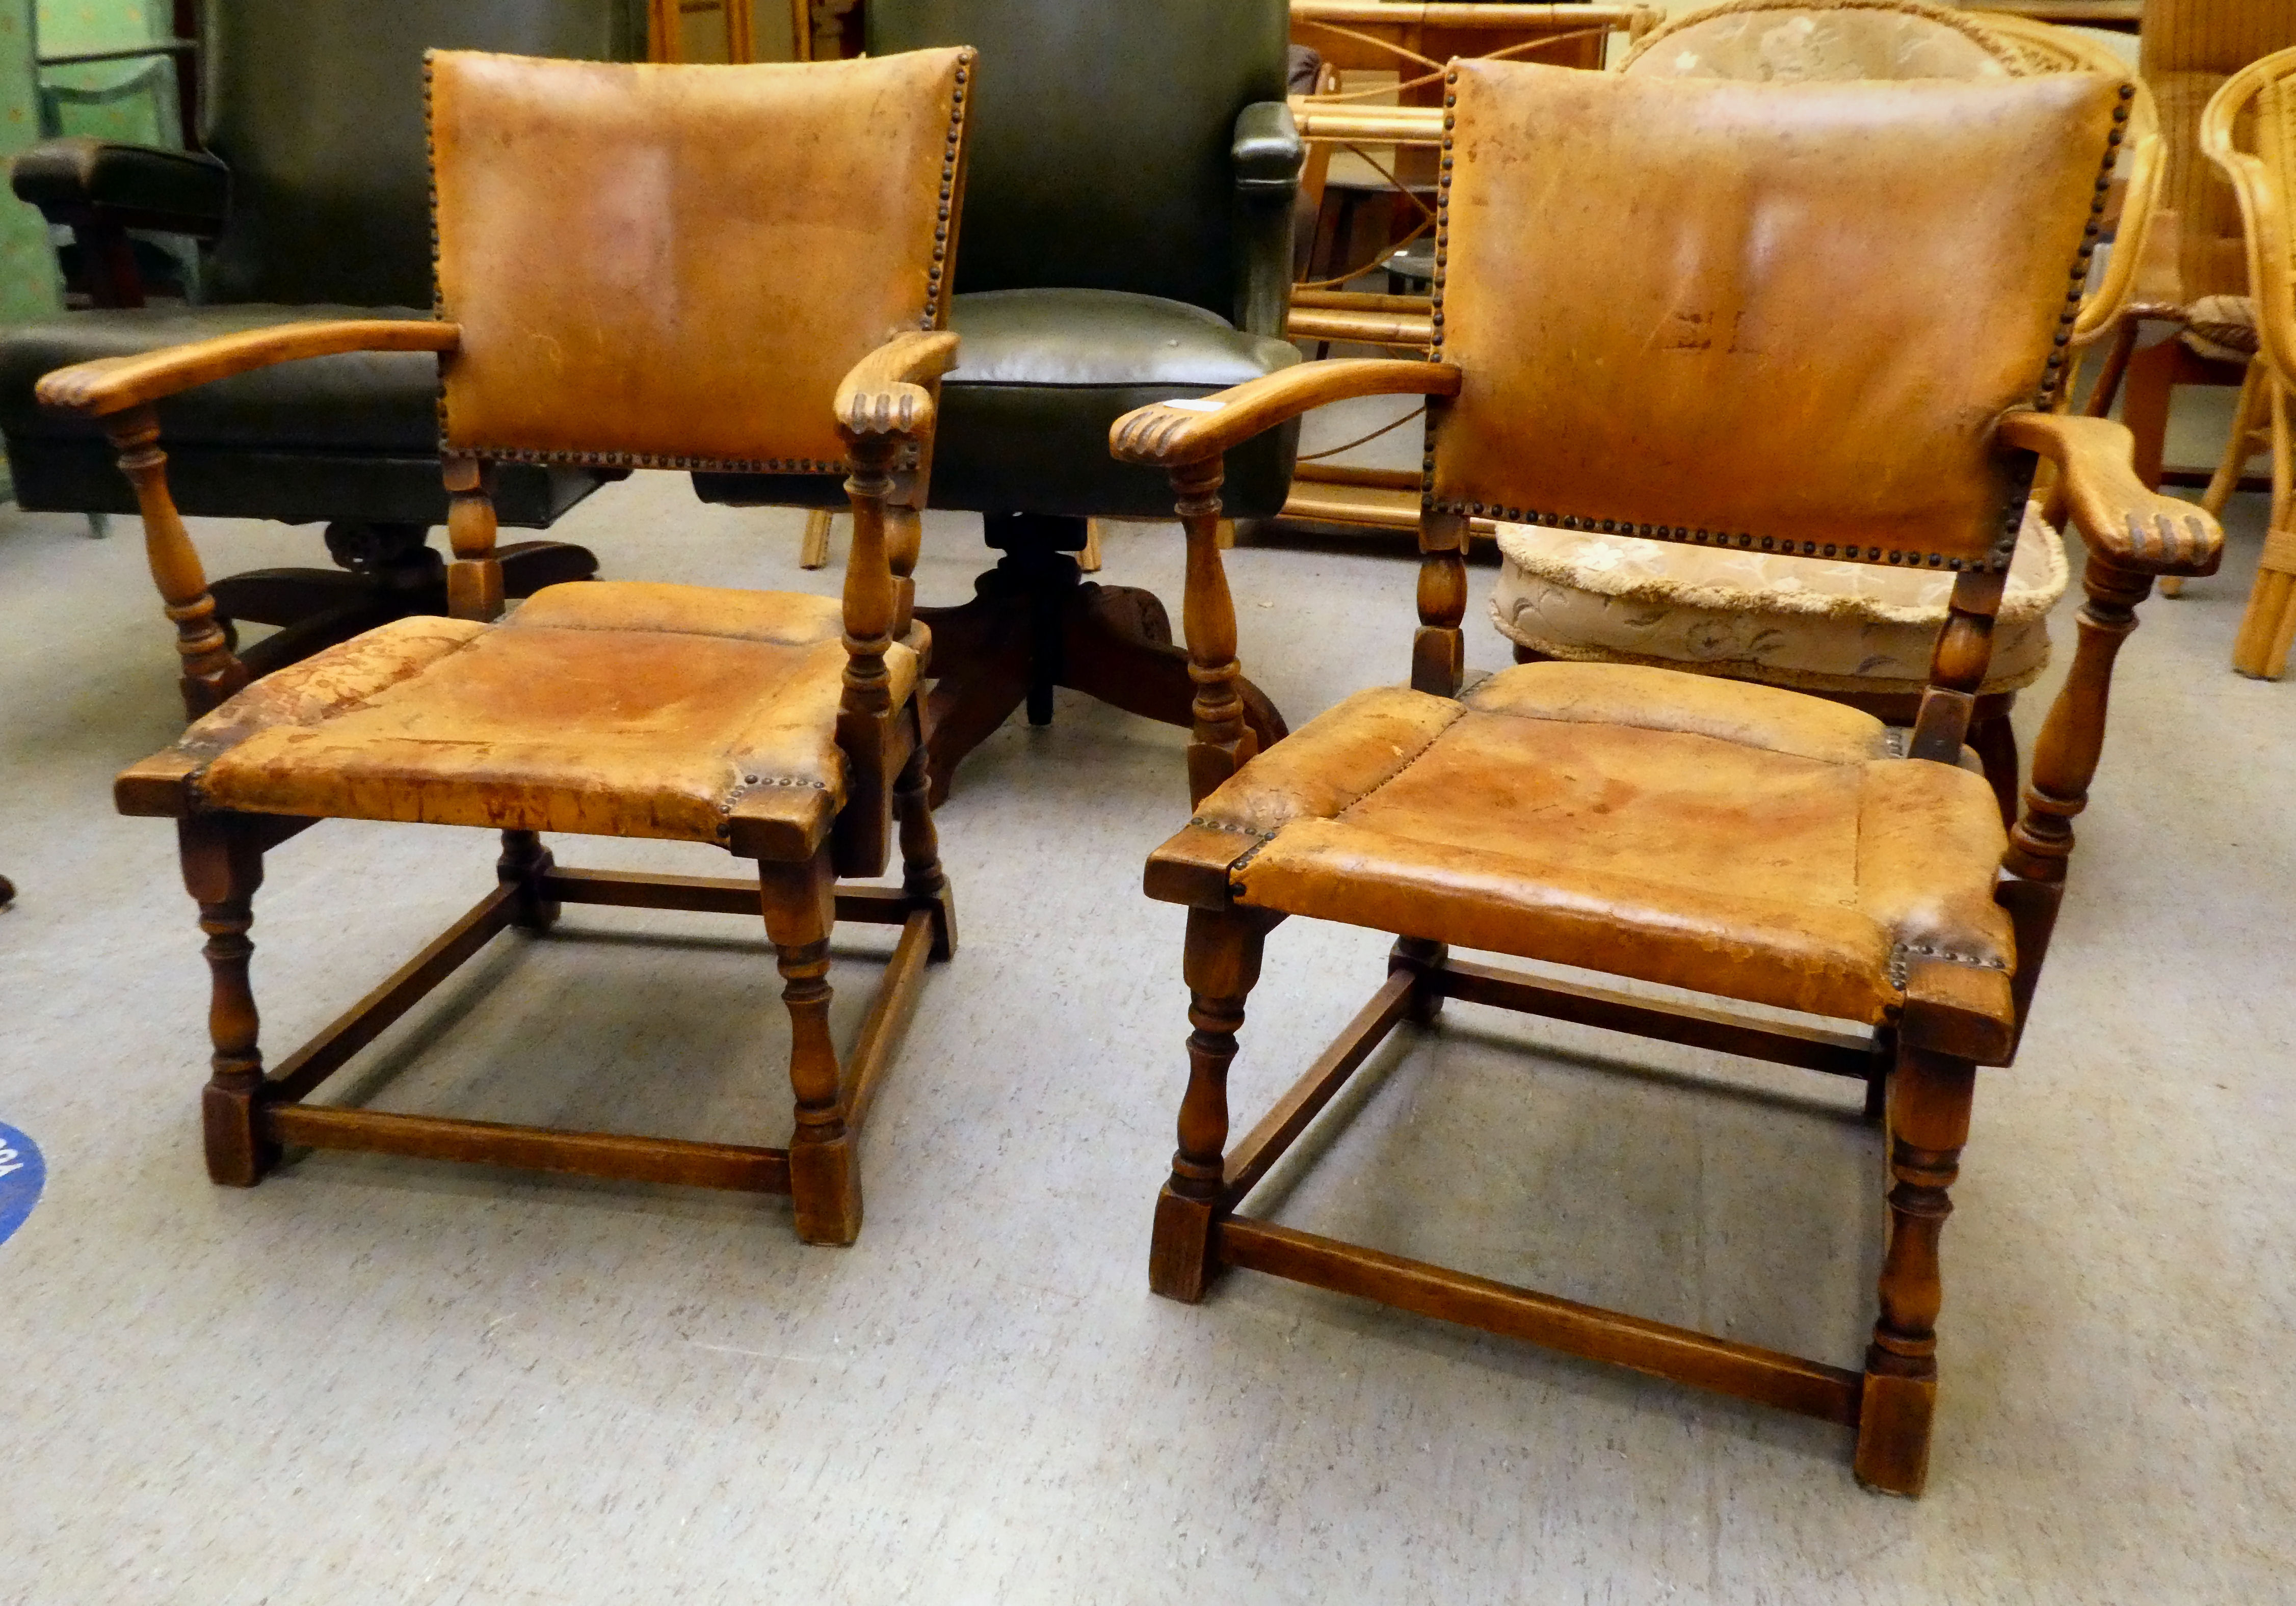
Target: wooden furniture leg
(2268,624)
(824,1181)
(1929,1103)
(223,866)
(2144,406)
(2250,431)
(1034,623)
(1221,966)
(814,553)
(7,892)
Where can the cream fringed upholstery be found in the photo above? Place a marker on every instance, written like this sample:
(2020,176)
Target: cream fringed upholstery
(1785,621)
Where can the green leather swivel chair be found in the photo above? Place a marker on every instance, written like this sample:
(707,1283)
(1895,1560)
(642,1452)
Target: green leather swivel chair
(1126,237)
(312,200)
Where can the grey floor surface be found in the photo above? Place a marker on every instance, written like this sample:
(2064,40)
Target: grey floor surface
(369,1381)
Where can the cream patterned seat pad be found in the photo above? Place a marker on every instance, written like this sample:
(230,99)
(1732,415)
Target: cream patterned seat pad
(1802,622)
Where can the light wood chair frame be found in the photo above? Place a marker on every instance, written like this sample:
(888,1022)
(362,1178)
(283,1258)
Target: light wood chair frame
(2268,624)
(885,413)
(1918,1069)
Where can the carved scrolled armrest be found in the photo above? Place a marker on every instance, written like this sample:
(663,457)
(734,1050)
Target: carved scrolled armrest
(1166,434)
(2119,518)
(886,393)
(113,384)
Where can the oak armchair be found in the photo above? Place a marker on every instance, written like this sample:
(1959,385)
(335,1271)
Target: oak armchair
(1863,388)
(675,324)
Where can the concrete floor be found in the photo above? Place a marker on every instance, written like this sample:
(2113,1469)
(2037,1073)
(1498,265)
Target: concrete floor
(373,1380)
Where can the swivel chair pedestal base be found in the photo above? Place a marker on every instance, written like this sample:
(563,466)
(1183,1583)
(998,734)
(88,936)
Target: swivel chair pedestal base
(388,571)
(1033,623)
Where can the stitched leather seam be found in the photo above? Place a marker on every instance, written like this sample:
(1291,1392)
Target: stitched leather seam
(1396,774)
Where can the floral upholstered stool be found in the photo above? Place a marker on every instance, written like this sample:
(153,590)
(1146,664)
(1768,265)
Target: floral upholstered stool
(1855,633)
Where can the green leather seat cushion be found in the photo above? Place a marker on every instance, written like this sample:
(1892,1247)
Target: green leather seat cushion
(355,436)
(1040,376)
(374,401)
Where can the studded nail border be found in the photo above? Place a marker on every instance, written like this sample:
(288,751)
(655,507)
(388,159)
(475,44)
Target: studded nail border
(2005,546)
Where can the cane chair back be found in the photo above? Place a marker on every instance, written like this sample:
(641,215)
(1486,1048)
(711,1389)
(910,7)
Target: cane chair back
(1770,40)
(559,257)
(1810,357)
(2189,49)
(2250,133)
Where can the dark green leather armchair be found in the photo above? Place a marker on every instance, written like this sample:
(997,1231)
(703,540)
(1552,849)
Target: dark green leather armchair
(1125,238)
(312,200)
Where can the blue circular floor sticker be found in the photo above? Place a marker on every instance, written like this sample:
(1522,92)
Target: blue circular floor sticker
(22,1175)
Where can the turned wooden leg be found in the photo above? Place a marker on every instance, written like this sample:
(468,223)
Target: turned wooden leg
(1221,966)
(1424,959)
(524,861)
(1929,1122)
(824,1182)
(1994,742)
(922,876)
(222,869)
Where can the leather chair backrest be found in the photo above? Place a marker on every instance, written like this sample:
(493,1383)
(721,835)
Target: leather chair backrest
(1779,316)
(675,266)
(1100,148)
(317,107)
(1769,40)
(2188,48)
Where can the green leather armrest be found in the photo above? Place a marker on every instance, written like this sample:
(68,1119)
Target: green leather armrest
(1269,152)
(135,186)
(1268,155)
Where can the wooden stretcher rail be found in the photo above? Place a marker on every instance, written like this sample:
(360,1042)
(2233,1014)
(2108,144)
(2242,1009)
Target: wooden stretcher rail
(888,1015)
(1789,1382)
(371,1016)
(710,895)
(532,1148)
(1265,1144)
(1812,1048)
(1367,125)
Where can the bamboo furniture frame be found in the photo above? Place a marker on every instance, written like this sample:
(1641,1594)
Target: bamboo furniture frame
(1918,1068)
(2264,178)
(1414,40)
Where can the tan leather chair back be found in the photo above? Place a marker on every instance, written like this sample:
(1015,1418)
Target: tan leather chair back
(674,266)
(2188,49)
(1822,39)
(1779,316)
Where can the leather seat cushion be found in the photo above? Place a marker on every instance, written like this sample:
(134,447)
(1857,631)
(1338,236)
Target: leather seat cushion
(619,709)
(382,402)
(1809,623)
(1040,376)
(1738,840)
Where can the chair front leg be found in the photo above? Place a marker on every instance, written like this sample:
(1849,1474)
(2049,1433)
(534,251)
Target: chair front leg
(824,1182)
(1221,966)
(223,866)
(1929,1099)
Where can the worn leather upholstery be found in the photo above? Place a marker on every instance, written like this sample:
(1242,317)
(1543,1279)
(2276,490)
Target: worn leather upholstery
(751,274)
(314,107)
(615,709)
(1686,414)
(1118,147)
(1700,833)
